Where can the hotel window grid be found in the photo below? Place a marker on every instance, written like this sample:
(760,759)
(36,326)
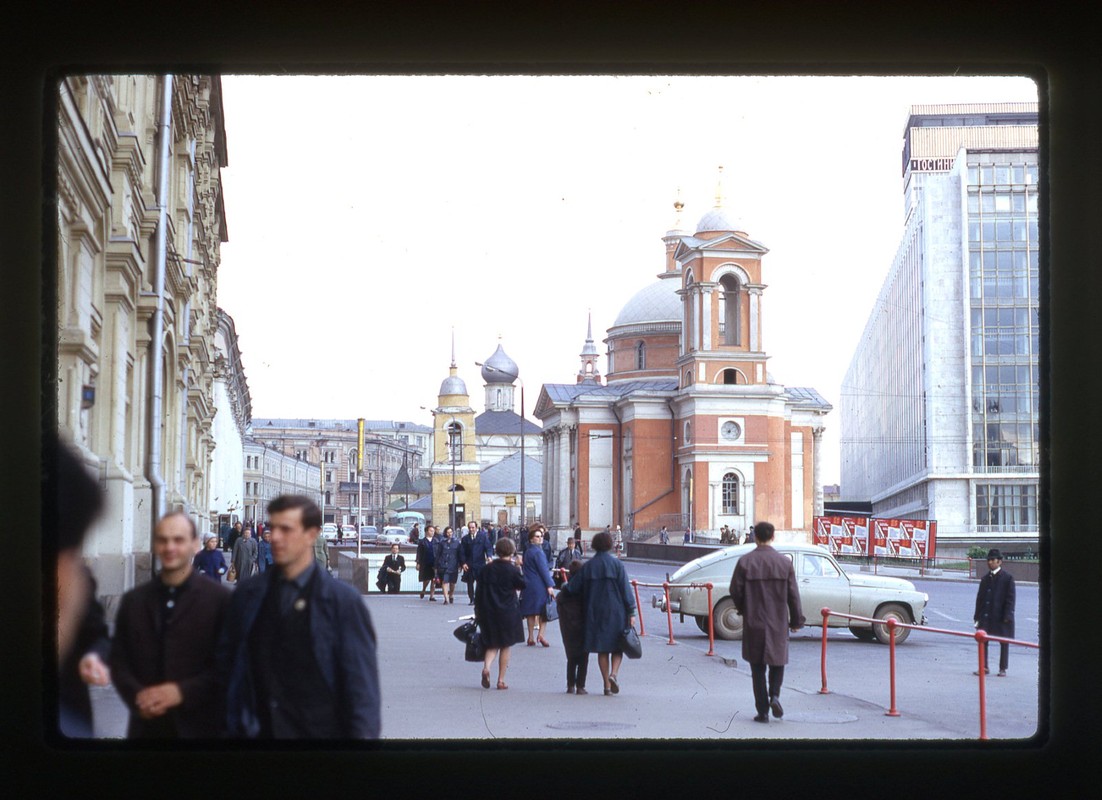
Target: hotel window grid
(730,493)
(1006,507)
(1004,324)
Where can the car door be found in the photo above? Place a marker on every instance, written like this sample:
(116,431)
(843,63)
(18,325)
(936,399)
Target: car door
(822,584)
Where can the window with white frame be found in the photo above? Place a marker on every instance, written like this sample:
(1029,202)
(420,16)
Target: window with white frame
(730,493)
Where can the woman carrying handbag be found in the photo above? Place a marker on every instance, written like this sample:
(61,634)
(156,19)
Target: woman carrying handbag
(496,611)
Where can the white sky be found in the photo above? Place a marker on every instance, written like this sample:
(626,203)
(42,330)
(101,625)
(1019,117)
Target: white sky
(369,215)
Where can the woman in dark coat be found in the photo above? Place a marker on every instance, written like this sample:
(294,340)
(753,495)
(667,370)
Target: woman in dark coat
(572,628)
(426,563)
(609,607)
(447,564)
(496,610)
(393,567)
(539,586)
(209,561)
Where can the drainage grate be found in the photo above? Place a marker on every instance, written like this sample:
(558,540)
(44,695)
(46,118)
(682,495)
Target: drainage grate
(589,726)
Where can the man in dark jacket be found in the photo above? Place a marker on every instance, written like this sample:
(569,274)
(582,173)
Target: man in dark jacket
(767,598)
(995,609)
(475,551)
(298,645)
(162,659)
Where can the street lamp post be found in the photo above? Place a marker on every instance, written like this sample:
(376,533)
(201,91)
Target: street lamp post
(451,446)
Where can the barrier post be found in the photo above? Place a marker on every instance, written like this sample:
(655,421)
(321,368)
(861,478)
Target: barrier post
(981,640)
(826,613)
(892,711)
(669,614)
(711,633)
(639,608)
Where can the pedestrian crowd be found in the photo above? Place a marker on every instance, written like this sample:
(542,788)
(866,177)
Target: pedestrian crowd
(290,653)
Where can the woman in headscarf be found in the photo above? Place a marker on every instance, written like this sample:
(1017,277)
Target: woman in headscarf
(209,561)
(609,608)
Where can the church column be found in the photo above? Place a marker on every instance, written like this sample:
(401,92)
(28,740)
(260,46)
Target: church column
(755,295)
(706,328)
(562,468)
(816,461)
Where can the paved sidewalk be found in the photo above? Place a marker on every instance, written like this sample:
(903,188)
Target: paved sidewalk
(672,692)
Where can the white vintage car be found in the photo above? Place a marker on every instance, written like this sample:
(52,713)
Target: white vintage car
(822,583)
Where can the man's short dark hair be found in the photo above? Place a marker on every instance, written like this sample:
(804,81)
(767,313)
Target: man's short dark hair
(311,514)
(602,542)
(190,521)
(763,531)
(504,548)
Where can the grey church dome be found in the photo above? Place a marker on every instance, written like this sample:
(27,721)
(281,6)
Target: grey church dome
(718,220)
(499,368)
(453,384)
(656,302)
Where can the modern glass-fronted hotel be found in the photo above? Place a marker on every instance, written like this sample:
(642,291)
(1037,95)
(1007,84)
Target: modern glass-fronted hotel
(939,409)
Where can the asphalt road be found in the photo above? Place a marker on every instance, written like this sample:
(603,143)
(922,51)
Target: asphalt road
(934,679)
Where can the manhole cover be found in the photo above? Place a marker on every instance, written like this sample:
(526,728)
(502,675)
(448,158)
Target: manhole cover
(820,717)
(589,726)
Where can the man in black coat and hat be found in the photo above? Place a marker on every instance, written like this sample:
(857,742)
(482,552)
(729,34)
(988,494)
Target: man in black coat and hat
(995,608)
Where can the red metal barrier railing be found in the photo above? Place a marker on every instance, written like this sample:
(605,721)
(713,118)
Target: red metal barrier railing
(981,637)
(666,586)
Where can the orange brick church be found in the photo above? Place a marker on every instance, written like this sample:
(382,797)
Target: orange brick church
(687,429)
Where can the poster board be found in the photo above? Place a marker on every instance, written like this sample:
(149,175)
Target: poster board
(877,536)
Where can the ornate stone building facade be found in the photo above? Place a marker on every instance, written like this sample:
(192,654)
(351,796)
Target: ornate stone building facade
(389,445)
(233,414)
(140,222)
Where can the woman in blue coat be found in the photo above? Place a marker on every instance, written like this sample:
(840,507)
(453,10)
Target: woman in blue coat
(447,564)
(209,561)
(609,607)
(538,584)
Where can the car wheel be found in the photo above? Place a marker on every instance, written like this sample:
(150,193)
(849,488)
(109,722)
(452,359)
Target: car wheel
(899,614)
(864,634)
(702,623)
(726,621)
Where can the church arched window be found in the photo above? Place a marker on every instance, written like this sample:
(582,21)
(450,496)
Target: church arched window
(455,441)
(730,376)
(730,322)
(641,355)
(730,493)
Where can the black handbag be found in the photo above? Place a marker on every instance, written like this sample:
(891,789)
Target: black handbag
(630,644)
(475,649)
(550,610)
(463,632)
(380,579)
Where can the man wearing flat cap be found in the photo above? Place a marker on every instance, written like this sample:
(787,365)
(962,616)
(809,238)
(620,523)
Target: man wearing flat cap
(995,609)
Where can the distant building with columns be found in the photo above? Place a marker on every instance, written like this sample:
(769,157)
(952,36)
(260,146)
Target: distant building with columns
(688,429)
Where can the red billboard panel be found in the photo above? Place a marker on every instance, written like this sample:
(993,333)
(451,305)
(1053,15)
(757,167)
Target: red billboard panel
(904,538)
(842,535)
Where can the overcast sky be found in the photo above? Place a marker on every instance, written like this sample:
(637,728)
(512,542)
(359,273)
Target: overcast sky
(367,216)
